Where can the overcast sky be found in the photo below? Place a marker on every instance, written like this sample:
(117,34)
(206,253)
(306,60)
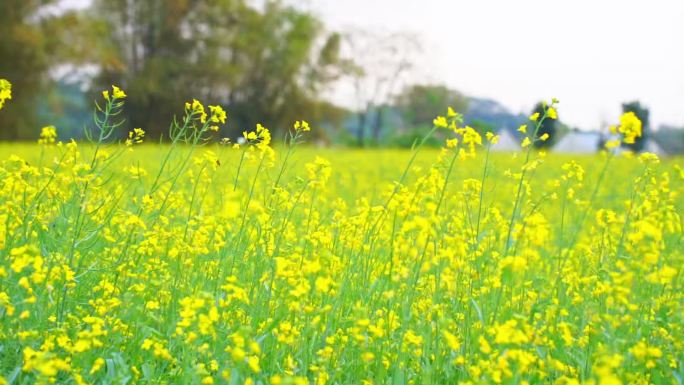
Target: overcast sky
(590,54)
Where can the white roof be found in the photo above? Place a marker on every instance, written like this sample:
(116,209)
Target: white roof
(507,142)
(579,143)
(654,147)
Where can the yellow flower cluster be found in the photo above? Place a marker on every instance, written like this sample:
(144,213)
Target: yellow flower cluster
(116,94)
(48,135)
(5,91)
(199,264)
(630,127)
(135,137)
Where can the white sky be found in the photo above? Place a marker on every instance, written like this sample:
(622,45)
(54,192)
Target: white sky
(590,54)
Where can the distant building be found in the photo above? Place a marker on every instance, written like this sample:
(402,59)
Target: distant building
(508,142)
(579,142)
(670,139)
(654,147)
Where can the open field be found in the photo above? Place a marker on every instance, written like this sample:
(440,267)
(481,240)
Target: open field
(160,264)
(168,218)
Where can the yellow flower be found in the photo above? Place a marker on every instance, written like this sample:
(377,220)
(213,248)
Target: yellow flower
(253,363)
(97,365)
(118,93)
(218,115)
(135,137)
(509,333)
(526,142)
(484,345)
(534,117)
(493,139)
(514,263)
(368,356)
(551,113)
(196,108)
(630,127)
(452,341)
(663,276)
(302,126)
(544,137)
(649,157)
(5,91)
(471,137)
(261,137)
(523,129)
(440,122)
(323,284)
(147,344)
(611,144)
(48,134)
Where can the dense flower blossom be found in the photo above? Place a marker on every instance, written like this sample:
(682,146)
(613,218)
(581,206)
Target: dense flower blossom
(194,263)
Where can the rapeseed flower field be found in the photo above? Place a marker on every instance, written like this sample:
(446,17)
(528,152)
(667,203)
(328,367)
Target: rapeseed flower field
(198,262)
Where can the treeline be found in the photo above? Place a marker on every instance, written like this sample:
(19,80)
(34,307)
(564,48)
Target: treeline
(266,64)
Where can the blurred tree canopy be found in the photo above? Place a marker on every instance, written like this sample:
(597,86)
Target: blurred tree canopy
(643,114)
(265,65)
(33,39)
(421,103)
(380,67)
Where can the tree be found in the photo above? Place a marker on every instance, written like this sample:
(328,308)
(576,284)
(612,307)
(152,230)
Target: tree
(642,113)
(33,40)
(420,103)
(382,65)
(548,126)
(266,65)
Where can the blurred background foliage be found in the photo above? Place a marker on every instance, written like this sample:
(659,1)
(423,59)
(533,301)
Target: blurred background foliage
(266,64)
(264,61)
